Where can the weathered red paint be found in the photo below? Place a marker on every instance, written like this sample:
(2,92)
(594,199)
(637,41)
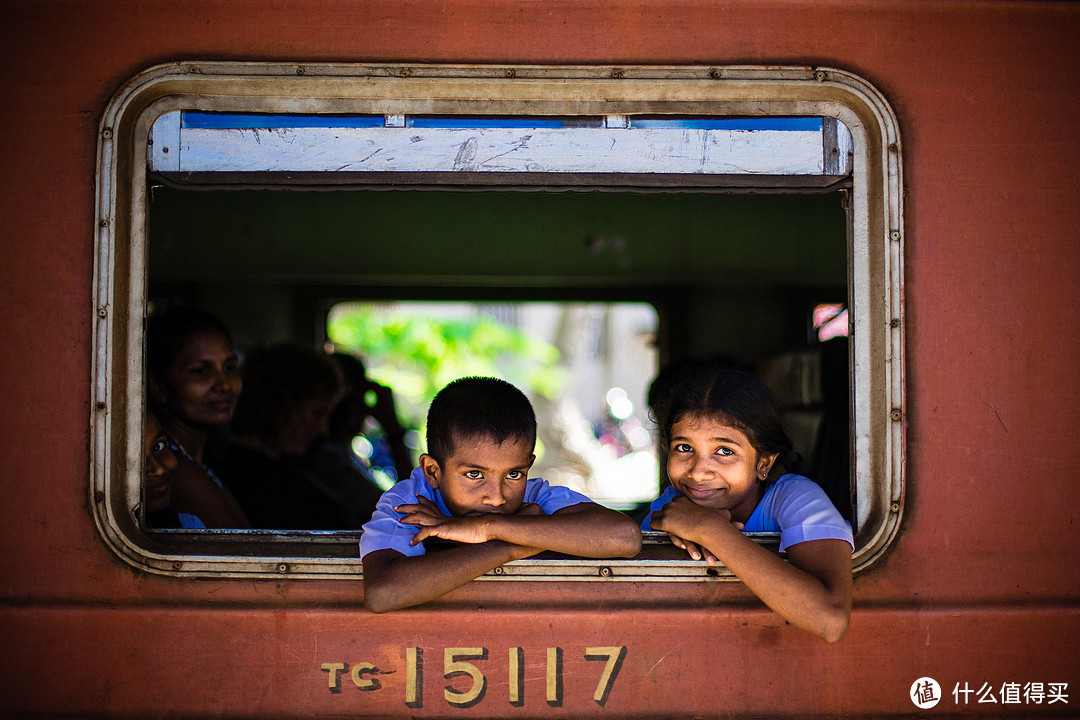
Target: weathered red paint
(980,586)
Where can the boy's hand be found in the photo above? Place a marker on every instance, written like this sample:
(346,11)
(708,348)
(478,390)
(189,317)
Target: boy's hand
(682,519)
(473,529)
(423,512)
(433,523)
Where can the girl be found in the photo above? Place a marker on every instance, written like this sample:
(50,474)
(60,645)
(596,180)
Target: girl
(158,481)
(731,468)
(194,379)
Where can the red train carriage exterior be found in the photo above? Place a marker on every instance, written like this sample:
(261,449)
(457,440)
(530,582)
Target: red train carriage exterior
(968,113)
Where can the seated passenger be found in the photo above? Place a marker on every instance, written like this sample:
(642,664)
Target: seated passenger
(160,463)
(346,476)
(288,392)
(381,409)
(472,487)
(732,468)
(194,379)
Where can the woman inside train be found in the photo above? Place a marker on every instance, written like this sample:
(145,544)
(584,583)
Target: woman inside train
(733,469)
(289,390)
(194,377)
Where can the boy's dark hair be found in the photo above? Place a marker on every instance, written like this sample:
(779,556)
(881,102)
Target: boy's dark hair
(168,331)
(738,399)
(474,407)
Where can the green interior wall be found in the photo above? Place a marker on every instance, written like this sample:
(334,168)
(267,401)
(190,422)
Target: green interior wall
(736,262)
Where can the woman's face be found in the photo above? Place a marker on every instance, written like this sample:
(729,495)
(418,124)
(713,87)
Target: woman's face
(203,381)
(160,464)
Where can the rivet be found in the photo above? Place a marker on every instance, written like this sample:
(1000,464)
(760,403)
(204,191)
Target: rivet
(820,75)
(300,70)
(511,72)
(715,74)
(177,565)
(100,404)
(106,133)
(893,147)
(894,235)
(896,414)
(164,151)
(617,73)
(102,312)
(895,507)
(895,322)
(283,568)
(99,497)
(498,570)
(104,223)
(605,571)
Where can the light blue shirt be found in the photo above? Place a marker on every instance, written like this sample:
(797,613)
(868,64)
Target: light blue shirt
(385,531)
(794,506)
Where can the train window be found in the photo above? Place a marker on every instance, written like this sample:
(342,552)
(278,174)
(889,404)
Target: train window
(586,368)
(715,201)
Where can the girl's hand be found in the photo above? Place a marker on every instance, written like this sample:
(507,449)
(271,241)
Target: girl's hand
(685,522)
(694,550)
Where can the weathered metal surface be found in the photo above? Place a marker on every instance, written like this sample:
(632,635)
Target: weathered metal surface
(490,149)
(164,662)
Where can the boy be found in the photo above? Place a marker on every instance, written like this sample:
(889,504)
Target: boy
(472,487)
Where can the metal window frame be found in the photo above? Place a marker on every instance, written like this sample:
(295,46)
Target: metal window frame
(875,257)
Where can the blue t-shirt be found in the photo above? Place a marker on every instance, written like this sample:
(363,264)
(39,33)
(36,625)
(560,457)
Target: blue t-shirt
(794,506)
(385,531)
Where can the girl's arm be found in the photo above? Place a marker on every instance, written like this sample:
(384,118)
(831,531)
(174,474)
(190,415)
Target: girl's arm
(812,590)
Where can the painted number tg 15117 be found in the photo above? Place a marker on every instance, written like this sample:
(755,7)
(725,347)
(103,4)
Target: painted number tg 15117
(460,662)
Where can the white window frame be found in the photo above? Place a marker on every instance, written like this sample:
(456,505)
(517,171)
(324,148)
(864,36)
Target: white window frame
(875,256)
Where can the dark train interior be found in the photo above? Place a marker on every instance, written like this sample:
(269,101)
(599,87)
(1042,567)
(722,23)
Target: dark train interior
(730,274)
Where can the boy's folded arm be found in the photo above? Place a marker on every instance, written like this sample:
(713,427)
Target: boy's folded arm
(393,581)
(586,529)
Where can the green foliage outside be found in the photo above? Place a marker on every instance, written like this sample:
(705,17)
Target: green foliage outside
(417,356)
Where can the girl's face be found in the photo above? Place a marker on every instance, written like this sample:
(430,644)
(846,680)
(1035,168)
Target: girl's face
(716,466)
(203,381)
(160,464)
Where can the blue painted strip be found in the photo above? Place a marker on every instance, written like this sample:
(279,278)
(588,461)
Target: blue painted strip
(502,122)
(812,124)
(191,119)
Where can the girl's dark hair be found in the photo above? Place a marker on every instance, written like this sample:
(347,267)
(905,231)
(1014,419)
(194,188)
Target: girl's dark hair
(474,407)
(169,330)
(276,378)
(738,399)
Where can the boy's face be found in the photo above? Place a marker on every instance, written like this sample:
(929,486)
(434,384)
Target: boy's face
(482,476)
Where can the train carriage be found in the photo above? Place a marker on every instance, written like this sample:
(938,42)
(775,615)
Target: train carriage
(724,168)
